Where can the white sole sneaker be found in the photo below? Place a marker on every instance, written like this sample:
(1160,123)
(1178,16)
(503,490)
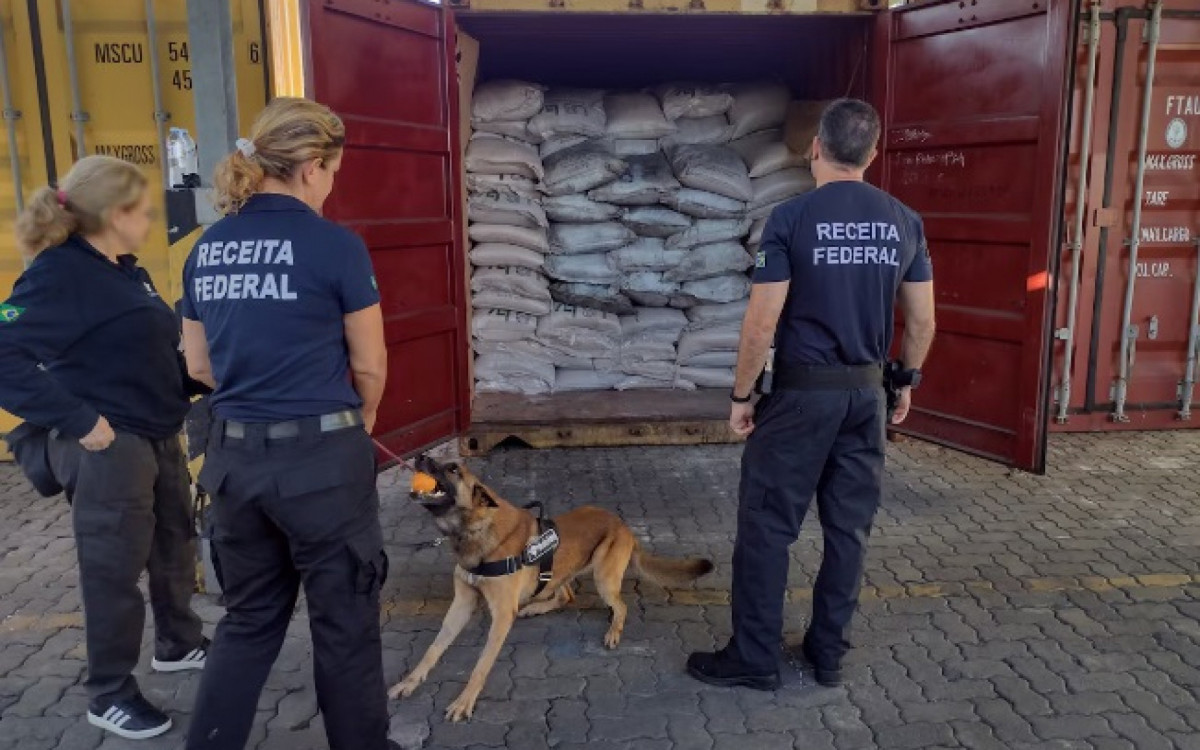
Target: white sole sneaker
(194,660)
(110,725)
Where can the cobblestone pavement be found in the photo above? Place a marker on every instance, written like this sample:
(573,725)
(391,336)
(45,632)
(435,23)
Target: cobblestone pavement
(1002,610)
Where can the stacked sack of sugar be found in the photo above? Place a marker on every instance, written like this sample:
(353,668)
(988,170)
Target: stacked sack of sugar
(754,167)
(602,177)
(583,229)
(584,326)
(644,209)
(776,153)
(508,232)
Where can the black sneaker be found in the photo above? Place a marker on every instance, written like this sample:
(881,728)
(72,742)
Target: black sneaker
(725,670)
(193,659)
(825,675)
(132,718)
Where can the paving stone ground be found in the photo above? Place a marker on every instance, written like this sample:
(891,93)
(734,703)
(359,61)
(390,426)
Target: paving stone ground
(1001,610)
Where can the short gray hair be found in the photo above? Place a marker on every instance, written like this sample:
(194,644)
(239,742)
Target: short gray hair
(849,132)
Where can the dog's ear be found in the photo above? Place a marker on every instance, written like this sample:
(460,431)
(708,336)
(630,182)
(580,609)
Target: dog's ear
(483,497)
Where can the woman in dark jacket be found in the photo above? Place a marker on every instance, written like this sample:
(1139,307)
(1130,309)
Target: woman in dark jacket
(90,352)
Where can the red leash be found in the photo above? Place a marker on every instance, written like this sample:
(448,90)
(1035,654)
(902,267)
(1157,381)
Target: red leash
(400,461)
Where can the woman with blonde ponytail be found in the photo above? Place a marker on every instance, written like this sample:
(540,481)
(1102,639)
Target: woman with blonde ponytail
(282,318)
(89,353)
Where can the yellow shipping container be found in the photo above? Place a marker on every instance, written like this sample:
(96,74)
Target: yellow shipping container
(112,53)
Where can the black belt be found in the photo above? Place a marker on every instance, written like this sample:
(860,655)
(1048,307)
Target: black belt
(827,377)
(340,420)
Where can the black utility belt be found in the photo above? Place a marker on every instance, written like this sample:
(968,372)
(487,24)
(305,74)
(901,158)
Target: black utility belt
(340,420)
(827,377)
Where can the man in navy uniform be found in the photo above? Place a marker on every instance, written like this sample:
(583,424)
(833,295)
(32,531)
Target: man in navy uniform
(832,265)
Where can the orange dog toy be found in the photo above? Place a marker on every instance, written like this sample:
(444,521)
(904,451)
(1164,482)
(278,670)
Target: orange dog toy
(423,484)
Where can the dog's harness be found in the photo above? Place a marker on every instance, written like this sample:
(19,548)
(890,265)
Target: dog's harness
(539,552)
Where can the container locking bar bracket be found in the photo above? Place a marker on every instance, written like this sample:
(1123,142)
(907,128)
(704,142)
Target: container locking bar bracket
(1193,348)
(1128,342)
(1067,334)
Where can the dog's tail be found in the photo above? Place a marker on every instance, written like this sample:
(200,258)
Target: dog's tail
(669,571)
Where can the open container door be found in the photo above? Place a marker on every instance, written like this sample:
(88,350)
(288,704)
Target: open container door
(387,69)
(974,98)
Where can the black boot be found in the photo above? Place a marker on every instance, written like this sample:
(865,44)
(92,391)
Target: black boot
(826,674)
(726,670)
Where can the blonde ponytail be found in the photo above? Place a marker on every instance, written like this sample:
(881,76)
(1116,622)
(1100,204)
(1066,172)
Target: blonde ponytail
(44,222)
(85,200)
(289,132)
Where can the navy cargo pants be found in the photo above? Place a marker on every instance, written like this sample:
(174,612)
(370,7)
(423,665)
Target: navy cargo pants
(827,443)
(291,512)
(131,509)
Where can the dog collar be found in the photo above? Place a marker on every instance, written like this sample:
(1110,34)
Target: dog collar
(539,552)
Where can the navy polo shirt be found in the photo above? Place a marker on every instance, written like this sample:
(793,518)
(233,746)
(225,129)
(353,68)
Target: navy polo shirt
(845,247)
(82,336)
(271,285)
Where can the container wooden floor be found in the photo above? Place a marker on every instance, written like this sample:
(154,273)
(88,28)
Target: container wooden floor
(599,418)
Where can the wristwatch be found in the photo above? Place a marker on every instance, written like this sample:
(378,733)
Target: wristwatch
(902,378)
(734,398)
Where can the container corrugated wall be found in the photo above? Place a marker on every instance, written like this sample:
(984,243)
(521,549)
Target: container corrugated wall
(1162,334)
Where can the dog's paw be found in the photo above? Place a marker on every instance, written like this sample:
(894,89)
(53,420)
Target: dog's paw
(404,689)
(461,709)
(612,638)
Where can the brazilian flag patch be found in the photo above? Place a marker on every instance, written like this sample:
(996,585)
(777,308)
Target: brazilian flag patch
(760,259)
(10,313)
(374,284)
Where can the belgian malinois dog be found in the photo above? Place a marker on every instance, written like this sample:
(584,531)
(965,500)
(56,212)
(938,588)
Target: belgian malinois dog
(482,528)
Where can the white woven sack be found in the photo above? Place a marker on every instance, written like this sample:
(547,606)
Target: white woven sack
(646,254)
(646,182)
(505,207)
(715,169)
(494,154)
(758,106)
(728,288)
(708,232)
(506,99)
(579,209)
(699,131)
(581,168)
(570,112)
(499,254)
(779,186)
(693,100)
(635,115)
(707,261)
(589,268)
(534,239)
(655,221)
(502,325)
(577,239)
